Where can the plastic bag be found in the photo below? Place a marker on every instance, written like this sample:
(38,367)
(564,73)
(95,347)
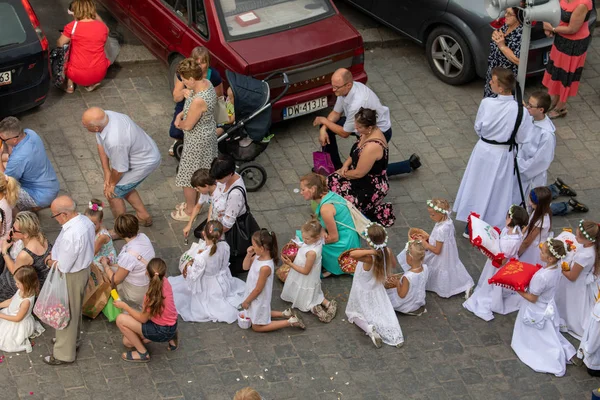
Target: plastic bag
(112,49)
(52,305)
(110,311)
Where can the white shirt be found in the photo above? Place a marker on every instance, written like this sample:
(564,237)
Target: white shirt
(496,120)
(74,246)
(204,199)
(139,245)
(536,155)
(129,149)
(228,205)
(361,96)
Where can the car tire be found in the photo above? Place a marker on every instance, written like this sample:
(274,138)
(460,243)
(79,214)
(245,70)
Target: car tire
(449,56)
(173,70)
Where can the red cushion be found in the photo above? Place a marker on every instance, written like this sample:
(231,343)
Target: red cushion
(515,275)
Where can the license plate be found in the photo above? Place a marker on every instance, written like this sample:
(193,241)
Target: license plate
(546,57)
(5,78)
(305,108)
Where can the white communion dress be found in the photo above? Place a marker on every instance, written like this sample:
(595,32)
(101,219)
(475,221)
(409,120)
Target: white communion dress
(415,298)
(14,336)
(304,291)
(589,348)
(532,254)
(259,311)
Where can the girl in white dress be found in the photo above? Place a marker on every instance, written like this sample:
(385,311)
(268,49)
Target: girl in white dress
(538,229)
(589,348)
(536,339)
(303,284)
(488,299)
(447,274)
(206,291)
(408,297)
(103,245)
(17,324)
(260,261)
(368,306)
(575,296)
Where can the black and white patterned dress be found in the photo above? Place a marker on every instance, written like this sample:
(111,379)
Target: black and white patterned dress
(497,59)
(199,143)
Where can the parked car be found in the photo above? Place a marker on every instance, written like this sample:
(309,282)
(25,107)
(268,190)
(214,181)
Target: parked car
(306,39)
(458,28)
(24,58)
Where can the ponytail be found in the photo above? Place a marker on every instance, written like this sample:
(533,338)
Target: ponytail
(157,270)
(213,231)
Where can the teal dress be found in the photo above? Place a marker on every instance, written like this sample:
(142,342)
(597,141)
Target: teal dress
(348,238)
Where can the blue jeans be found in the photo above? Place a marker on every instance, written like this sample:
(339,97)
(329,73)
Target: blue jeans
(559,208)
(402,167)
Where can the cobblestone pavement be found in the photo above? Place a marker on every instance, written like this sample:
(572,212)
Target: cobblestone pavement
(449,354)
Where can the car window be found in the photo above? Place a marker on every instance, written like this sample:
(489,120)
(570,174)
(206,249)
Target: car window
(199,18)
(180,8)
(11,29)
(243,18)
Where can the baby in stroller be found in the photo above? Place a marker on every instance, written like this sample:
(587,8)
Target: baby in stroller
(222,128)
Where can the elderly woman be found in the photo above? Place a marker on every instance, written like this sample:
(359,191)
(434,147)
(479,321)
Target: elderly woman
(362,179)
(505,47)
(335,218)
(180,92)
(200,137)
(129,273)
(87,63)
(488,182)
(26,228)
(567,57)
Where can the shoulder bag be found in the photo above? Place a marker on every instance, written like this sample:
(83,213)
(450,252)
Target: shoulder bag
(239,237)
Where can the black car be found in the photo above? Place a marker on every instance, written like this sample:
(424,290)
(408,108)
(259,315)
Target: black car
(24,58)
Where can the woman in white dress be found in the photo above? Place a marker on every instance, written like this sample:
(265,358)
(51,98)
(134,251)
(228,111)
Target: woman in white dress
(575,296)
(488,182)
(368,306)
(408,297)
(206,291)
(17,324)
(540,223)
(589,348)
(302,286)
(260,261)
(488,299)
(536,339)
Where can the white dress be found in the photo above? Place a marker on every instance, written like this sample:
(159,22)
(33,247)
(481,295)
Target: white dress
(488,182)
(259,311)
(536,339)
(589,348)
(209,293)
(575,300)
(415,298)
(368,301)
(447,274)
(14,336)
(532,254)
(304,291)
(486,298)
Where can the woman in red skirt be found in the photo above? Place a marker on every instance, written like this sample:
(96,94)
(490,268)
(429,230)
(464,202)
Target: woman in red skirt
(571,40)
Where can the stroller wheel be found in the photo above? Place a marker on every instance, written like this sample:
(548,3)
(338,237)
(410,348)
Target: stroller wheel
(178,149)
(254,176)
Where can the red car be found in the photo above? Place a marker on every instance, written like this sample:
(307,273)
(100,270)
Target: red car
(307,39)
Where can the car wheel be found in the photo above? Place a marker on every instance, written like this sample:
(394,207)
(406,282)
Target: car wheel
(173,70)
(449,56)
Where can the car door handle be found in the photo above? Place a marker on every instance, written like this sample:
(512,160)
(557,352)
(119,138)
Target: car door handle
(175,31)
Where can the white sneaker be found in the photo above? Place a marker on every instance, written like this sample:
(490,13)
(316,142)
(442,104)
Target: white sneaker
(287,313)
(468,293)
(375,338)
(466,235)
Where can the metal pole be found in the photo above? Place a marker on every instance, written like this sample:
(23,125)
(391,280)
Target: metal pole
(524,57)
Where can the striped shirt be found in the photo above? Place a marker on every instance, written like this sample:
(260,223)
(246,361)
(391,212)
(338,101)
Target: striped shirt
(74,246)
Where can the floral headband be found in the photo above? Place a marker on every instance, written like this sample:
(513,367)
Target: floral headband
(370,242)
(437,209)
(511,211)
(553,251)
(584,233)
(94,206)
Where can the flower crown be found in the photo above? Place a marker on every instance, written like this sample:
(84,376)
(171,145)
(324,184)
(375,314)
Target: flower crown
(409,243)
(437,209)
(511,211)
(370,242)
(584,233)
(94,206)
(553,251)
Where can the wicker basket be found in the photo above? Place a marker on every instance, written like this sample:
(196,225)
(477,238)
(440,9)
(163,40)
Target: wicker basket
(347,263)
(290,250)
(392,281)
(412,232)
(282,272)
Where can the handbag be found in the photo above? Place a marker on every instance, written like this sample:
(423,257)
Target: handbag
(58,59)
(96,293)
(322,163)
(220,111)
(239,237)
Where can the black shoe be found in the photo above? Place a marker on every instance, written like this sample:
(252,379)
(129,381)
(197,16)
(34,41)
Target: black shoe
(577,206)
(415,161)
(565,190)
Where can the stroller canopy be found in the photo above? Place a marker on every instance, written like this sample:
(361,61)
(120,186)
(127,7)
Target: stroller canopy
(251,96)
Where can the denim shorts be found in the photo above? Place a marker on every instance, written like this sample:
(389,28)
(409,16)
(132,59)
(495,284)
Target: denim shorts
(122,190)
(158,333)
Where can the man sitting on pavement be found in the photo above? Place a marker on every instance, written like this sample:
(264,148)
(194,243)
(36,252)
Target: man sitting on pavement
(351,96)
(24,158)
(128,156)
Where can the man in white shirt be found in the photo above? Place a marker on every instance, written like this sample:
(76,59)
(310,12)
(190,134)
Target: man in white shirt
(128,155)
(351,97)
(72,254)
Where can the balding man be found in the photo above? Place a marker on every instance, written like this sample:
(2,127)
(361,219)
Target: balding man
(72,254)
(351,96)
(128,155)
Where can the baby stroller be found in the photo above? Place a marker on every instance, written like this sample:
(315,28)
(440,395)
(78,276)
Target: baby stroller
(251,122)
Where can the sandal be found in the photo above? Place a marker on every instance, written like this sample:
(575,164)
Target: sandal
(180,215)
(173,347)
(91,88)
(145,222)
(50,360)
(70,89)
(172,150)
(554,114)
(128,356)
(296,322)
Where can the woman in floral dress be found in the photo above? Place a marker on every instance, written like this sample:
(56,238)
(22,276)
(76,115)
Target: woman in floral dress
(362,179)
